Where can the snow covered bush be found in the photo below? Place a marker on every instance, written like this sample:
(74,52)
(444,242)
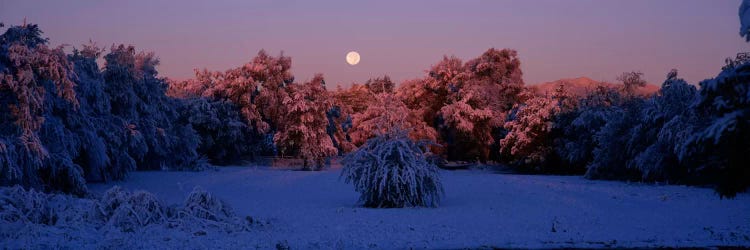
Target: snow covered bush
(203,209)
(130,211)
(117,210)
(21,208)
(391,170)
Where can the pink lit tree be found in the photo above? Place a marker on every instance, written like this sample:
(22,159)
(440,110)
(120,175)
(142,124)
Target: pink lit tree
(302,129)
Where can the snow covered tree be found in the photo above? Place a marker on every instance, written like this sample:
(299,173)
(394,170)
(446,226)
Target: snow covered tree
(745,20)
(529,138)
(721,146)
(631,81)
(380,85)
(258,88)
(353,100)
(665,121)
(303,131)
(273,76)
(391,170)
(579,126)
(466,102)
(30,74)
(138,96)
(339,126)
(610,156)
(225,137)
(388,112)
(76,123)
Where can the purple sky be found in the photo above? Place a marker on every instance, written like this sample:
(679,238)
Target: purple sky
(555,39)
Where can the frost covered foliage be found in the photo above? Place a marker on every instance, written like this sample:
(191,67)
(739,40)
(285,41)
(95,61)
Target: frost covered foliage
(578,128)
(224,135)
(610,154)
(666,120)
(386,113)
(257,88)
(295,116)
(380,85)
(303,131)
(138,96)
(529,138)
(391,170)
(745,20)
(65,122)
(31,74)
(466,102)
(721,147)
(632,138)
(117,210)
(631,81)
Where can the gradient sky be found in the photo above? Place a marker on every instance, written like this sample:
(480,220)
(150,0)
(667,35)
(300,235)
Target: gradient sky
(555,38)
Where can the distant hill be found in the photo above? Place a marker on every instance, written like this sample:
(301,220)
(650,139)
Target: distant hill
(582,85)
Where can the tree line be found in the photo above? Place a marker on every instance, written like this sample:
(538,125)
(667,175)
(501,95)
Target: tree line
(65,121)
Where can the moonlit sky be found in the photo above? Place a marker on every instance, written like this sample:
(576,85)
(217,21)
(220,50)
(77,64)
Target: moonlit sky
(555,38)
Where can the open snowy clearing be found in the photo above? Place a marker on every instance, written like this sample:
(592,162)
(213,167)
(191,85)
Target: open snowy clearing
(480,209)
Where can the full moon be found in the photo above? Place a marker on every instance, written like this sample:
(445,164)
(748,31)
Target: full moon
(352,58)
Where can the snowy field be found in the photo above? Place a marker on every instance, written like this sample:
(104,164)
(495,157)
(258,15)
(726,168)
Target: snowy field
(480,209)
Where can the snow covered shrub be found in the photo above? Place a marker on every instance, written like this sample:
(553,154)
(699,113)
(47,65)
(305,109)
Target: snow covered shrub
(21,208)
(130,211)
(391,170)
(117,209)
(26,207)
(203,209)
(204,205)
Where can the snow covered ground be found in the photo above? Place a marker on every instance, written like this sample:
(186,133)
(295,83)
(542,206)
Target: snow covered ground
(304,210)
(480,209)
